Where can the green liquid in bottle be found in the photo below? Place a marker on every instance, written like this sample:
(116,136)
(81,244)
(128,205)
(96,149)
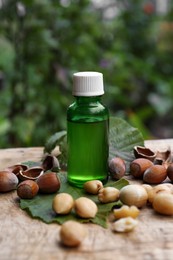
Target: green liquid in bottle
(88,151)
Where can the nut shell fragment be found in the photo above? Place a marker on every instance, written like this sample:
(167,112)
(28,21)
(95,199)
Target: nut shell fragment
(32,173)
(144,152)
(124,224)
(126,211)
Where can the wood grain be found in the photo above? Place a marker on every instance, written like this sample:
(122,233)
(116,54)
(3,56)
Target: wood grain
(24,238)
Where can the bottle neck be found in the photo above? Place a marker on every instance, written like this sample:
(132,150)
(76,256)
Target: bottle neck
(87,100)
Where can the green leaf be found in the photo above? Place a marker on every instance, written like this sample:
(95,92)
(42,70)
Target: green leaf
(41,206)
(54,140)
(122,139)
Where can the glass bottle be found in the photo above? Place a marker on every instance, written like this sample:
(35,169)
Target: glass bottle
(87,130)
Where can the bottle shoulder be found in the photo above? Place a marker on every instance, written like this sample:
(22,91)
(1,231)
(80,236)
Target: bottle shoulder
(91,112)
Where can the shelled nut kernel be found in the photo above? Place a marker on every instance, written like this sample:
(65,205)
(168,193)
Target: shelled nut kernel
(161,188)
(85,208)
(93,186)
(124,224)
(72,233)
(133,195)
(108,194)
(63,203)
(163,203)
(126,211)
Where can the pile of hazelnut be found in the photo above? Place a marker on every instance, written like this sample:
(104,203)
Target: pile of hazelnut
(151,170)
(28,181)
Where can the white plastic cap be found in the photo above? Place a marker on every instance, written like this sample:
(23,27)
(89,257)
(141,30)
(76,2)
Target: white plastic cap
(88,84)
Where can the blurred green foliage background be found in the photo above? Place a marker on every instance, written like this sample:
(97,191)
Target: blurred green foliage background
(42,43)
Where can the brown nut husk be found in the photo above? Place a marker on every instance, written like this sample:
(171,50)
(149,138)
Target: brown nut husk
(50,162)
(72,233)
(62,203)
(156,174)
(144,152)
(117,168)
(163,203)
(133,195)
(139,166)
(31,174)
(8,181)
(27,189)
(85,208)
(17,168)
(48,183)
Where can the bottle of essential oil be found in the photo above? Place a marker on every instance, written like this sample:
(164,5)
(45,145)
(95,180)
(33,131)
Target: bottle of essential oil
(87,130)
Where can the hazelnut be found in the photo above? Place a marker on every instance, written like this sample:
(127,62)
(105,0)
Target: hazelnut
(170,172)
(158,189)
(133,195)
(72,233)
(163,203)
(85,207)
(138,167)
(117,168)
(147,187)
(126,211)
(108,194)
(27,189)
(8,181)
(93,186)
(124,224)
(63,203)
(48,183)
(155,174)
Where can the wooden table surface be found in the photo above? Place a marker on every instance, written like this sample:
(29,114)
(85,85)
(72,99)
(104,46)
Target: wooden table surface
(24,238)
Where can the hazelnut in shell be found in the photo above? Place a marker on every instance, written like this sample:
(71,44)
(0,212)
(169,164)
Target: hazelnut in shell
(8,181)
(138,167)
(155,174)
(48,183)
(27,189)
